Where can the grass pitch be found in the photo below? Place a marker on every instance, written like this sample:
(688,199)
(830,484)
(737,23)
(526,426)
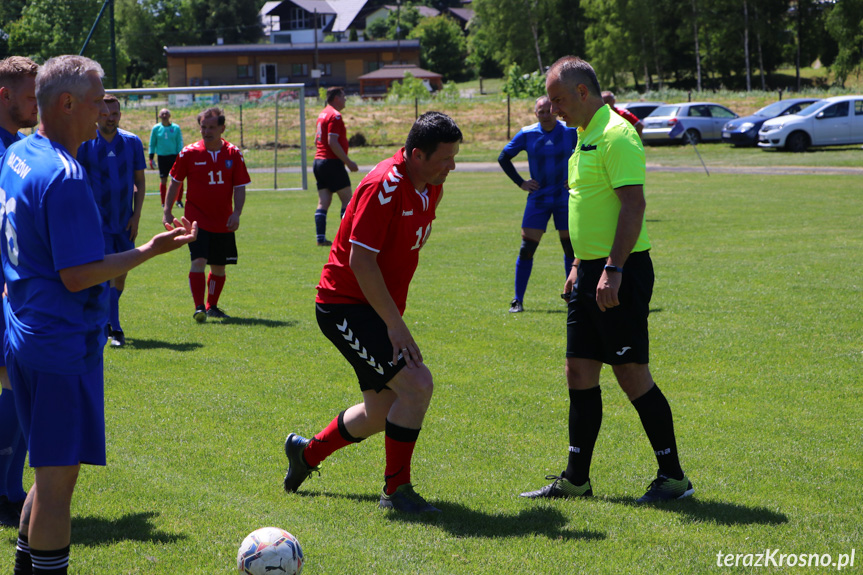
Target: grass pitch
(755,328)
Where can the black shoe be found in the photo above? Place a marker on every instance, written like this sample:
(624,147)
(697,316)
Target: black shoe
(515,306)
(10,512)
(560,487)
(298,469)
(118,339)
(324,243)
(216,313)
(200,314)
(179,204)
(406,500)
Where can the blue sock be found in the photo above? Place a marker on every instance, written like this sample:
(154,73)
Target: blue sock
(523,268)
(114,309)
(13,449)
(321,224)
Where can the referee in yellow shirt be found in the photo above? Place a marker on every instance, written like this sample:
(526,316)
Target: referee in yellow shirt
(611,285)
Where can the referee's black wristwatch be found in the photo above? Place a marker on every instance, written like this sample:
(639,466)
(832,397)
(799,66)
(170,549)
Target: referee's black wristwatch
(611,268)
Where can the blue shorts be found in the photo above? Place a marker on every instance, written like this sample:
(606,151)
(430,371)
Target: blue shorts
(117,243)
(62,416)
(538,211)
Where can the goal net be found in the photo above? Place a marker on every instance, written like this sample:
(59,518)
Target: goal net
(266,121)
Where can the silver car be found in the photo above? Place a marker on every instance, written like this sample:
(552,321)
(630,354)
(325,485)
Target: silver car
(701,121)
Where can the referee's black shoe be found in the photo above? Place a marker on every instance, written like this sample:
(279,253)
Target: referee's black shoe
(515,306)
(118,339)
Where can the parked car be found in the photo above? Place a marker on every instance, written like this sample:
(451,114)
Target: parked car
(702,121)
(744,131)
(640,109)
(833,121)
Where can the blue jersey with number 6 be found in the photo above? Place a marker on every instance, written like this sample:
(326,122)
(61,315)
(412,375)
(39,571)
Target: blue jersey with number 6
(50,222)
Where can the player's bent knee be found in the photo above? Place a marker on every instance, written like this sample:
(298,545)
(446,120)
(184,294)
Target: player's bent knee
(415,386)
(528,248)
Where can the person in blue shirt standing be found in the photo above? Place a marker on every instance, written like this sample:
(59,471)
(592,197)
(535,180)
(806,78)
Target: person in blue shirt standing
(114,161)
(549,144)
(18,110)
(53,256)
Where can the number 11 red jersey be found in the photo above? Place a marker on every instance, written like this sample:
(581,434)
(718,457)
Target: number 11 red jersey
(386,215)
(211,177)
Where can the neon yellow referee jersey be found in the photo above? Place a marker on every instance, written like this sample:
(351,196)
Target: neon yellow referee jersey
(609,155)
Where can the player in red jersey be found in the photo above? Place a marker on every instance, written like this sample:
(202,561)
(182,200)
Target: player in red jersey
(608,98)
(360,302)
(215,195)
(331,157)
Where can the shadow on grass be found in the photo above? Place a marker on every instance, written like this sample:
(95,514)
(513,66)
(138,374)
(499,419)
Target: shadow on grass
(256,322)
(718,512)
(463,521)
(137,343)
(94,531)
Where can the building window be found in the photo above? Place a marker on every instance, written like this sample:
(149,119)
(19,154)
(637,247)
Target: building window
(299,69)
(245,71)
(371,66)
(298,18)
(326,69)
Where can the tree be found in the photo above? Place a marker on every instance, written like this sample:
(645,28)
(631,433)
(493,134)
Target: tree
(442,46)
(403,20)
(206,21)
(50,28)
(10,10)
(845,25)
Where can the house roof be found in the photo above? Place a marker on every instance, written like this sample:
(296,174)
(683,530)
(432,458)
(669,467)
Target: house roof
(345,10)
(397,72)
(425,11)
(275,49)
(464,14)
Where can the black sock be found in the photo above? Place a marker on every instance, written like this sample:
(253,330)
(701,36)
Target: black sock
(321,224)
(23,563)
(54,562)
(585,419)
(655,414)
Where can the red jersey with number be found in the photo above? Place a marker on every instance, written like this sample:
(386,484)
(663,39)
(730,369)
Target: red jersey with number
(388,216)
(329,122)
(212,177)
(626,115)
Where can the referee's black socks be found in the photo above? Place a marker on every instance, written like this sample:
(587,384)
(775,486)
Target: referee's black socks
(655,414)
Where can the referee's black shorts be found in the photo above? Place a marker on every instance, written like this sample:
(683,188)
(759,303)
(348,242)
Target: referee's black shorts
(331,175)
(617,335)
(165,164)
(360,334)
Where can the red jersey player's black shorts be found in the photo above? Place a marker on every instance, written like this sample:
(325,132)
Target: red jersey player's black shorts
(331,175)
(218,249)
(617,335)
(360,334)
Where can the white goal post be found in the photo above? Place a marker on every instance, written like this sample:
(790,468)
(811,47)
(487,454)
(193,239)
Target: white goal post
(262,104)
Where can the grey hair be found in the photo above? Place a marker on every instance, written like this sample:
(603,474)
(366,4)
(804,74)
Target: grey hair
(572,70)
(64,74)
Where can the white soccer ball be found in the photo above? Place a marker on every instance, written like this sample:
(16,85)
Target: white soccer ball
(270,551)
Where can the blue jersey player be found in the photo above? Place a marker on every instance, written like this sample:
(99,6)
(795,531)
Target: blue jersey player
(53,255)
(549,144)
(114,162)
(18,110)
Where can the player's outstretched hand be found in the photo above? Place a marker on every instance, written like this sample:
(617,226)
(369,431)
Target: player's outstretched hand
(178,234)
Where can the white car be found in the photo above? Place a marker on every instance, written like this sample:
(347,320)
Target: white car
(833,121)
